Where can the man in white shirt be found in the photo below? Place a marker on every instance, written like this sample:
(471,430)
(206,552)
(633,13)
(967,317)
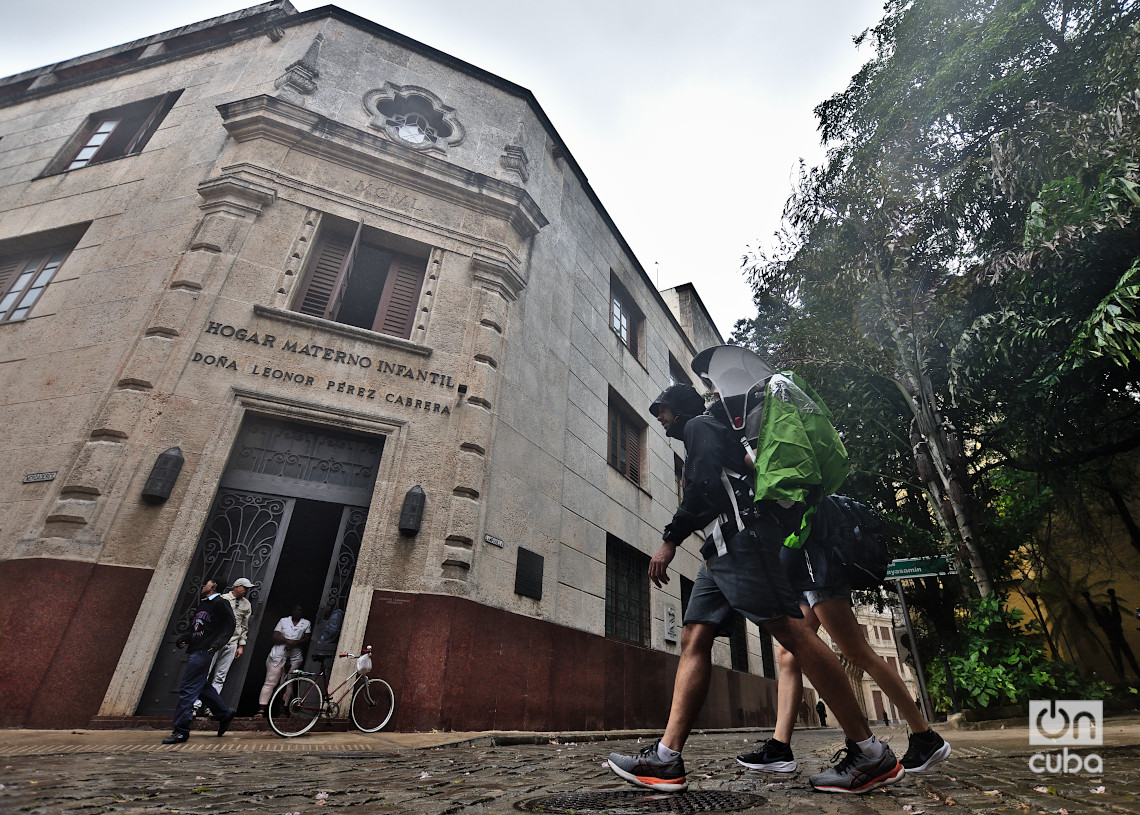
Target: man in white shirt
(285,656)
(225,657)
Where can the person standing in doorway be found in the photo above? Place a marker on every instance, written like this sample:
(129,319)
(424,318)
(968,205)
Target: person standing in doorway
(286,655)
(233,649)
(212,627)
(329,623)
(821,709)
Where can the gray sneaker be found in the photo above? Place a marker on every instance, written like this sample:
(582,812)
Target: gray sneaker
(855,773)
(646,769)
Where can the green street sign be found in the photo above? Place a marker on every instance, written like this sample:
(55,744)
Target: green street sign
(919,567)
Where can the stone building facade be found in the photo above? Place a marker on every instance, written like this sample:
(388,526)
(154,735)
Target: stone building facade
(260,278)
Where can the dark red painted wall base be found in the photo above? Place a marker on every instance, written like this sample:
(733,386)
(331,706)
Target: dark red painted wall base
(458,665)
(64,625)
(453,663)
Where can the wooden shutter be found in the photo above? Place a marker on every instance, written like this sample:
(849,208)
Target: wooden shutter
(632,451)
(150,123)
(8,267)
(397,312)
(615,439)
(324,279)
(344,274)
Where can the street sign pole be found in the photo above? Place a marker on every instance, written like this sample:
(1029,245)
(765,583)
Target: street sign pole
(927,707)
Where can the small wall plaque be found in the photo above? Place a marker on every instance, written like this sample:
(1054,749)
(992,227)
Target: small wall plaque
(491,539)
(671,624)
(32,478)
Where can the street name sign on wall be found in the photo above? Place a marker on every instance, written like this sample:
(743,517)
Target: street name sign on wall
(919,567)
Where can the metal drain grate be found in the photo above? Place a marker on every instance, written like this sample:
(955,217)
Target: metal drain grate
(636,802)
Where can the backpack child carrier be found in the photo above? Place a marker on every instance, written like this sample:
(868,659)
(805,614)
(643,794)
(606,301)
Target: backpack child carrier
(852,535)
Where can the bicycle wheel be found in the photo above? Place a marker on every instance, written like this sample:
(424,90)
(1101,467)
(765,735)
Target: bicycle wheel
(372,705)
(295,707)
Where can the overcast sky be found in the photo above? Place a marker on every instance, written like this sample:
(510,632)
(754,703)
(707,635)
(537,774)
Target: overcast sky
(687,117)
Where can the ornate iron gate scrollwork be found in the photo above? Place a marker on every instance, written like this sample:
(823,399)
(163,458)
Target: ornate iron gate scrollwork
(242,538)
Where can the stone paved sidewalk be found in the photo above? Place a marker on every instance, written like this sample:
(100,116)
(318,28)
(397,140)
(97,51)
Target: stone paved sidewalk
(494,774)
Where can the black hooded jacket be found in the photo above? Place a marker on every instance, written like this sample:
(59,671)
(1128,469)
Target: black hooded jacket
(710,445)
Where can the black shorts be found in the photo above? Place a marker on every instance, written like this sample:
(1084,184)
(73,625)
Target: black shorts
(816,572)
(748,578)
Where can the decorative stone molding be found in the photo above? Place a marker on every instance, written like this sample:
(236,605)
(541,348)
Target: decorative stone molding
(234,196)
(498,274)
(298,253)
(301,77)
(350,331)
(514,157)
(414,117)
(227,200)
(276,120)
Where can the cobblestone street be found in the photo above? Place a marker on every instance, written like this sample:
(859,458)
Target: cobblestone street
(434,774)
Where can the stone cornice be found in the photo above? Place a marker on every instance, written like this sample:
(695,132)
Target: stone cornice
(265,117)
(234,194)
(499,273)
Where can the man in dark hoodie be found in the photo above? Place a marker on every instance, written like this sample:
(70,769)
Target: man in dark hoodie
(742,573)
(212,627)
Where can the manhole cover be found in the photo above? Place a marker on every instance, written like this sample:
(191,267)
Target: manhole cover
(635,802)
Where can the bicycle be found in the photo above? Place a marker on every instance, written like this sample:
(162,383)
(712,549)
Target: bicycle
(299,701)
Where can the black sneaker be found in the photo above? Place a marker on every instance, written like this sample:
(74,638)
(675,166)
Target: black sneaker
(177,737)
(857,773)
(924,751)
(774,757)
(646,769)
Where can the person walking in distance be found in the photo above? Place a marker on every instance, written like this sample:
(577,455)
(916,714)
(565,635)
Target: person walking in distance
(224,658)
(212,627)
(741,572)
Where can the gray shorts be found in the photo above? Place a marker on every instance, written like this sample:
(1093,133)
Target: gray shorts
(747,579)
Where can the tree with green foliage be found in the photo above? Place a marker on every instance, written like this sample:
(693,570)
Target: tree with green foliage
(963,266)
(1001,663)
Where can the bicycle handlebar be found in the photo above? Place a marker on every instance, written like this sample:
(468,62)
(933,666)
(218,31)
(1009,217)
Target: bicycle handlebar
(367,650)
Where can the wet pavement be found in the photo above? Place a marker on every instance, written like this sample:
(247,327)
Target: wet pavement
(129,771)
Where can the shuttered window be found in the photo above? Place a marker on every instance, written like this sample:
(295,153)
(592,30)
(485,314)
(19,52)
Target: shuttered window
(625,435)
(115,133)
(23,278)
(354,279)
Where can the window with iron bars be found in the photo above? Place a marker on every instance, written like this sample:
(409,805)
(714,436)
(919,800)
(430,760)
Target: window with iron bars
(627,592)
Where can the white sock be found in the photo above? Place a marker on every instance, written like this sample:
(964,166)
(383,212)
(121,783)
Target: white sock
(872,747)
(665,754)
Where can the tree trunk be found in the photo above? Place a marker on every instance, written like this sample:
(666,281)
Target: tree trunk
(939,457)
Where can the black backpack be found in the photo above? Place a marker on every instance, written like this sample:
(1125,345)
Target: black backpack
(852,535)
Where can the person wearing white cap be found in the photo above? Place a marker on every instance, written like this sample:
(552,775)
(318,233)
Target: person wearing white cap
(224,658)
